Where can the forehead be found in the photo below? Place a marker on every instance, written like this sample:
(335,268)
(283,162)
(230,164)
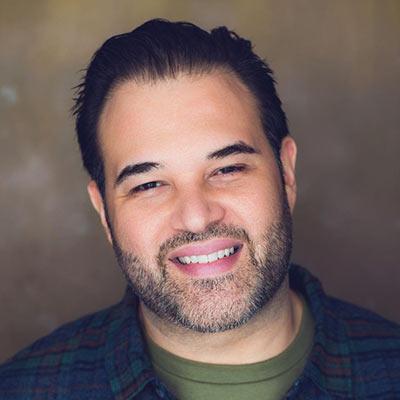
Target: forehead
(142,120)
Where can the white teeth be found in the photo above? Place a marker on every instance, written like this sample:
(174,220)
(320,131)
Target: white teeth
(212,257)
(204,259)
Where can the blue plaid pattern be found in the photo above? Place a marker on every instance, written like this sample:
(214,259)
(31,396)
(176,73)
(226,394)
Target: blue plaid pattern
(356,355)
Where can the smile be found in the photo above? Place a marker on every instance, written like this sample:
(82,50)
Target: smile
(208,258)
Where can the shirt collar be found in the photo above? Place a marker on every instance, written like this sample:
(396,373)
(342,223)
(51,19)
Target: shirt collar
(127,363)
(329,364)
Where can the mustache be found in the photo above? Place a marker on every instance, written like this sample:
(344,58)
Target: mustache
(213,231)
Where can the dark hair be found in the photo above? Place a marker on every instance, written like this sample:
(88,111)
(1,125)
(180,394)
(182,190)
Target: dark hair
(161,49)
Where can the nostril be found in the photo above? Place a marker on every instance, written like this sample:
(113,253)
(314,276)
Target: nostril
(194,211)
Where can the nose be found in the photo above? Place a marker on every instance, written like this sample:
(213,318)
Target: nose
(195,210)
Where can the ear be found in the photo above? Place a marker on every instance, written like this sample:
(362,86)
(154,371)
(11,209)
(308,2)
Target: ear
(288,158)
(97,201)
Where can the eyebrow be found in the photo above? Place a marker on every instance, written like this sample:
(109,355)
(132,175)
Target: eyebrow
(239,147)
(135,169)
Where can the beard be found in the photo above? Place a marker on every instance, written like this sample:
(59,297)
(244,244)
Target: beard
(216,304)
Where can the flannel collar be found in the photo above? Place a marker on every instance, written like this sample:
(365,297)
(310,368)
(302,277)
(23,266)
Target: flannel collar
(127,362)
(329,364)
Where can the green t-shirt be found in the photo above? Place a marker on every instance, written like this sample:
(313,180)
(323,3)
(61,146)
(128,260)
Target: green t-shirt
(269,379)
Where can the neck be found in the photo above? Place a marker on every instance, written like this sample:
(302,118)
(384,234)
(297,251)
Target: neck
(265,335)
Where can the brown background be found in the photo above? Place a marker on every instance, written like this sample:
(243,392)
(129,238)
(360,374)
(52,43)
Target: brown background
(337,64)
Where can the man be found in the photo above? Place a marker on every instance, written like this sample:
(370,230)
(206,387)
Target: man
(193,177)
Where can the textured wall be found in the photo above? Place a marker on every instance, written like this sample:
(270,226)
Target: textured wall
(337,64)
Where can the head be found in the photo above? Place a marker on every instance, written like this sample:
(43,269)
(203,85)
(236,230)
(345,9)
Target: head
(192,171)
(159,50)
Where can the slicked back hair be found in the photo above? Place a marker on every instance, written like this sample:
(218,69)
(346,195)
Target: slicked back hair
(160,49)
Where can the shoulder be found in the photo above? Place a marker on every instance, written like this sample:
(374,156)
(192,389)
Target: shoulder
(364,326)
(373,346)
(335,316)
(359,321)
(70,357)
(356,352)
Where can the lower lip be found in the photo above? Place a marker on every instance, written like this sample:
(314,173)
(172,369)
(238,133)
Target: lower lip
(208,270)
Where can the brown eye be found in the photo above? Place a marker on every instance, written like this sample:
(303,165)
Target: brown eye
(231,169)
(146,186)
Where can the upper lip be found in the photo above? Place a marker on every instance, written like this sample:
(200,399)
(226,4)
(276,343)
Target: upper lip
(203,248)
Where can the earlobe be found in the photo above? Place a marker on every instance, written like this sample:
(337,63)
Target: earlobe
(98,204)
(288,159)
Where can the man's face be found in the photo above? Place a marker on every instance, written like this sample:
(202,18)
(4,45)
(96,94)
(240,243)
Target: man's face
(196,210)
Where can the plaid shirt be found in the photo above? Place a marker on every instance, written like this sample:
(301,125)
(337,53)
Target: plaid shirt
(356,355)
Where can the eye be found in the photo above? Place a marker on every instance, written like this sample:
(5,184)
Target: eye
(144,187)
(231,169)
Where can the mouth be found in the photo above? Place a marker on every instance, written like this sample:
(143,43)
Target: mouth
(208,259)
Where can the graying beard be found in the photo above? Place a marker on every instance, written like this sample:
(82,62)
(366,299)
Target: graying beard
(160,297)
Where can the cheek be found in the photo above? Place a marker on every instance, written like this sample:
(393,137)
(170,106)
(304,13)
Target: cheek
(255,205)
(137,232)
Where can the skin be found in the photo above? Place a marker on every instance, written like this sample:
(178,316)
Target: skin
(177,122)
